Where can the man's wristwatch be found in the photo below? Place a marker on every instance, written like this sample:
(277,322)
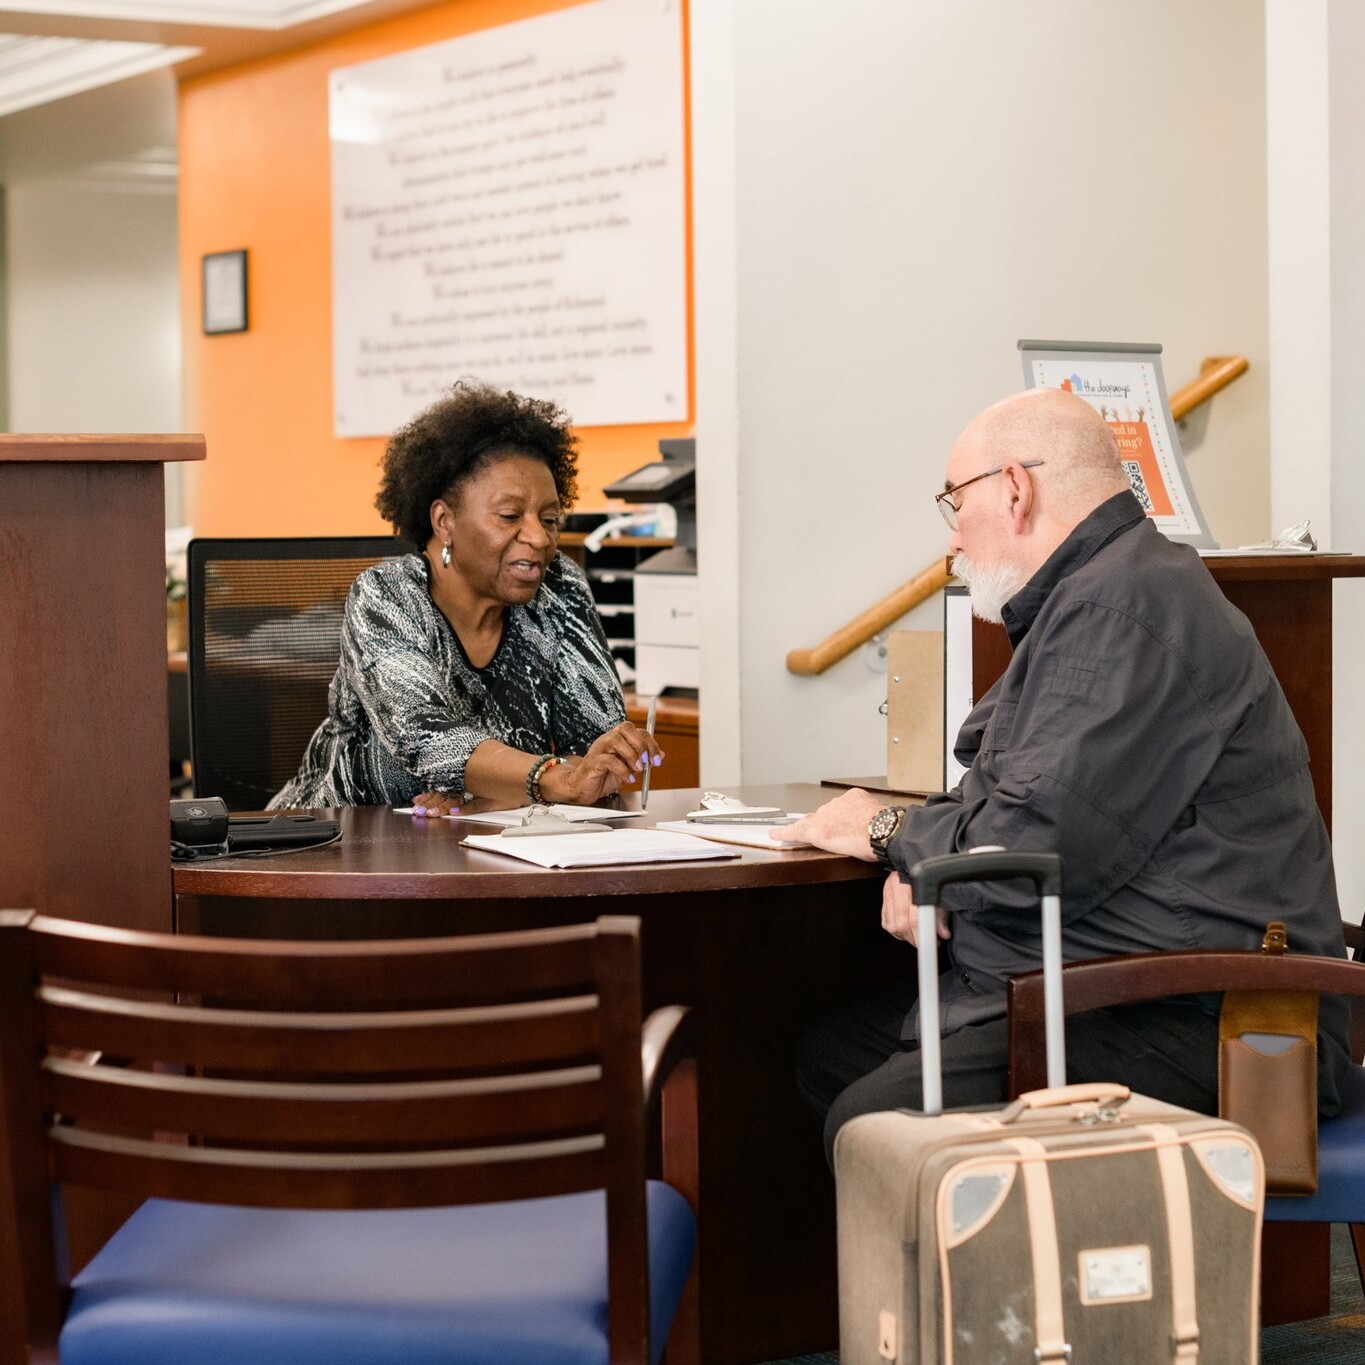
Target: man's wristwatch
(882,828)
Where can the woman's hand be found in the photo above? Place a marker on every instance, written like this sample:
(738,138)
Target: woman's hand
(610,764)
(436,803)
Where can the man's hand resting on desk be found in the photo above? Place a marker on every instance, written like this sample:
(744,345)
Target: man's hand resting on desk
(839,826)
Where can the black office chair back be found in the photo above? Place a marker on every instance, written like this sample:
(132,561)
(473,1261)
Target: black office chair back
(265,632)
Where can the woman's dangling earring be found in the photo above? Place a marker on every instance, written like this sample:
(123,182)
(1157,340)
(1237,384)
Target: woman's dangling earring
(445,555)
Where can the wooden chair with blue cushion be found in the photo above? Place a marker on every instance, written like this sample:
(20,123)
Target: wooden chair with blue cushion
(403,1151)
(1340,1194)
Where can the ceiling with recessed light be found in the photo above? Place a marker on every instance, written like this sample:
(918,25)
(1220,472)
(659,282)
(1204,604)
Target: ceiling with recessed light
(50,49)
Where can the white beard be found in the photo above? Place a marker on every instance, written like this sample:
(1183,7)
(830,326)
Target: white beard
(990,585)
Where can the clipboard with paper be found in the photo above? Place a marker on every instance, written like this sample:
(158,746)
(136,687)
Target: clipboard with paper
(599,848)
(728,820)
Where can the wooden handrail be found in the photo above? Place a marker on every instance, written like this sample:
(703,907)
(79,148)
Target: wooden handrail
(1217,372)
(876,618)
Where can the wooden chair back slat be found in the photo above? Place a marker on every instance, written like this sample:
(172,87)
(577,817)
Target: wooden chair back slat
(541,1032)
(535,1105)
(1150,976)
(286,975)
(357,1180)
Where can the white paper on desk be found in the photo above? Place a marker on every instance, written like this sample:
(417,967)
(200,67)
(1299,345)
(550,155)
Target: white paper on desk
(600,849)
(1297,551)
(751,836)
(514,817)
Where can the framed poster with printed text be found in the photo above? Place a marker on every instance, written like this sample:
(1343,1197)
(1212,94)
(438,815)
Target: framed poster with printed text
(510,206)
(1124,384)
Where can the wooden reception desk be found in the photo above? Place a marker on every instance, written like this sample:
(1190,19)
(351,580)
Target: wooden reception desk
(83,824)
(82,720)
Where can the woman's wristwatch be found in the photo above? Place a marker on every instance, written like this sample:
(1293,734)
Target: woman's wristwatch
(882,828)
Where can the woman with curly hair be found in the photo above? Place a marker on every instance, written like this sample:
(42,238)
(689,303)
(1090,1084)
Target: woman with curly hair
(478,667)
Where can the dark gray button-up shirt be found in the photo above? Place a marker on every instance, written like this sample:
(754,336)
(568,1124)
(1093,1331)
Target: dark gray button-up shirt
(1139,732)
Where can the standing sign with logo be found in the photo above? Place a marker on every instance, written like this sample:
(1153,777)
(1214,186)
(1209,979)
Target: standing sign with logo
(1123,383)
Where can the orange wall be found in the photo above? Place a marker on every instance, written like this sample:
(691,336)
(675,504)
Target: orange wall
(255,173)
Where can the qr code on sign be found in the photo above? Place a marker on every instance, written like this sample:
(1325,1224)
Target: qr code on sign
(1136,483)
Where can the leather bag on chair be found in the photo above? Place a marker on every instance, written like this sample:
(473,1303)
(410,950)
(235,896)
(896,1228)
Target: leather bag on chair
(1268,1075)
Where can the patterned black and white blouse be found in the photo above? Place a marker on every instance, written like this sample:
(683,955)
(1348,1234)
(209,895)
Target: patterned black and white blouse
(407,708)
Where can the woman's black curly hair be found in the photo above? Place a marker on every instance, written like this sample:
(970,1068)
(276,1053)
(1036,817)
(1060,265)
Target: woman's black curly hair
(459,434)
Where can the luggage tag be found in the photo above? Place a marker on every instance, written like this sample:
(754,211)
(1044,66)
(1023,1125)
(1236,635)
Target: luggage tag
(540,820)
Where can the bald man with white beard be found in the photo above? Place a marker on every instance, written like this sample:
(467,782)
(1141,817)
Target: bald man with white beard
(1139,732)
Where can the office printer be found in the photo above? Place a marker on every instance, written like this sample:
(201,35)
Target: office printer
(666,643)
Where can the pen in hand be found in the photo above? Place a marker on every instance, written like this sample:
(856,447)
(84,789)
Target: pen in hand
(649,762)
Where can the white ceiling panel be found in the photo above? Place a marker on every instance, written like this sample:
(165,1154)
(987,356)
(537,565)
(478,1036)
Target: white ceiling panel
(254,14)
(36,70)
(50,49)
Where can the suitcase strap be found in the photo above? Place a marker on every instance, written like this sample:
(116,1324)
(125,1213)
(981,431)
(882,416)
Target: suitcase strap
(1050,1325)
(1175,1188)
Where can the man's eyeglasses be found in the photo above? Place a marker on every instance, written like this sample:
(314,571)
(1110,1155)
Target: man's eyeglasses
(949,508)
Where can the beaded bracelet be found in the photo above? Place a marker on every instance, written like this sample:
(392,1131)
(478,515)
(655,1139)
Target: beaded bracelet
(538,769)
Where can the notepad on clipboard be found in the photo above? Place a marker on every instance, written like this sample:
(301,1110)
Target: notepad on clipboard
(615,846)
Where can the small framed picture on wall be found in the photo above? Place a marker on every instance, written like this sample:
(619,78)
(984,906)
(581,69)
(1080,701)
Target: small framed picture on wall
(224,292)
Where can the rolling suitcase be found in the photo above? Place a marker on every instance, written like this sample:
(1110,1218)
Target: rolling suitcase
(1077,1224)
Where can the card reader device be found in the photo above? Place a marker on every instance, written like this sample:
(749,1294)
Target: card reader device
(202,828)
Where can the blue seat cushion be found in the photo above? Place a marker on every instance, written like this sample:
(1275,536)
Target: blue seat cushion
(1340,1196)
(520,1283)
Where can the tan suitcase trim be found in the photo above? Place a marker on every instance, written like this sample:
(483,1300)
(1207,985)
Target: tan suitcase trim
(1047,1256)
(1175,1187)
(1005,1171)
(1203,1145)
(1168,1146)
(886,1335)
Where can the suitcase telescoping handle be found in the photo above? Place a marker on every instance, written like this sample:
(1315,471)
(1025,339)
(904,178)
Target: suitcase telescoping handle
(928,877)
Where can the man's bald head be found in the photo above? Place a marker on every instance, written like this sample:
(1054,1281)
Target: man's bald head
(1031,469)
(1065,431)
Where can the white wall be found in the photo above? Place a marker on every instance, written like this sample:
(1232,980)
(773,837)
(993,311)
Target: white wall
(93,309)
(1316,141)
(715,291)
(1345,42)
(92,295)
(915,187)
